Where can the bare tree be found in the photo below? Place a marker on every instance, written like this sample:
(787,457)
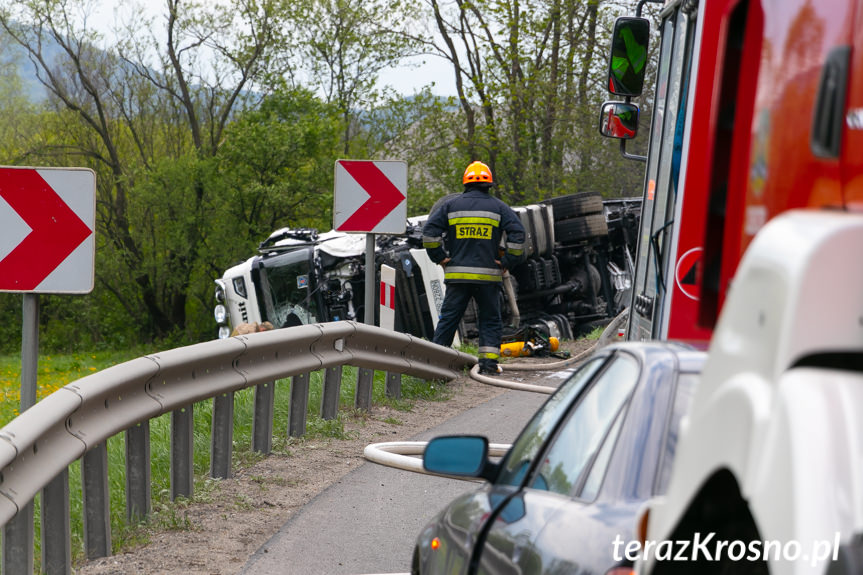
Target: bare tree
(344,45)
(529,80)
(142,104)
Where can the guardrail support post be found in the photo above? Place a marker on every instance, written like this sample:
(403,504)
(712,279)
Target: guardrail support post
(138,475)
(18,542)
(222,436)
(97,502)
(182,451)
(18,537)
(363,397)
(332,391)
(394,385)
(299,405)
(56,529)
(262,420)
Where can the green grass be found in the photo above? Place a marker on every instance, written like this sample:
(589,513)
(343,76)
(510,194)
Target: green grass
(56,371)
(594,335)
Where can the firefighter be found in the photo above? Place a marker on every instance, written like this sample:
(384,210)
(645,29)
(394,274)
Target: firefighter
(464,236)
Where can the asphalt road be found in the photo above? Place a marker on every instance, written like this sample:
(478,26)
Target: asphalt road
(368,522)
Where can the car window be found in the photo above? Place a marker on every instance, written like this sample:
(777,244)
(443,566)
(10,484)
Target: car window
(543,424)
(684,392)
(597,470)
(588,424)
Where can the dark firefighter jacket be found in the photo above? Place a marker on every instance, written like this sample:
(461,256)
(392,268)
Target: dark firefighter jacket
(468,230)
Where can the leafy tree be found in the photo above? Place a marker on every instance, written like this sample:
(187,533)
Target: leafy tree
(530,80)
(344,45)
(277,165)
(148,113)
(18,120)
(200,151)
(419,129)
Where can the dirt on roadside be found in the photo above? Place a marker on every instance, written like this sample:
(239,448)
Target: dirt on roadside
(217,532)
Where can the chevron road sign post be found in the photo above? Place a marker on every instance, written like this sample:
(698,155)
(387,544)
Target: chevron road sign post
(47,218)
(370,197)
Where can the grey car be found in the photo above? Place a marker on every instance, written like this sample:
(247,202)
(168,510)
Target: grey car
(565,498)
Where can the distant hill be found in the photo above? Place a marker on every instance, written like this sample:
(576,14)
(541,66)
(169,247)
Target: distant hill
(14,62)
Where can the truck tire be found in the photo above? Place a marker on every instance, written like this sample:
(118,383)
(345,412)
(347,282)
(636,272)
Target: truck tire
(581,228)
(574,205)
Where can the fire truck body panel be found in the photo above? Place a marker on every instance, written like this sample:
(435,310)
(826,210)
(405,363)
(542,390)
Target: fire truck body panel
(751,142)
(768,211)
(797,126)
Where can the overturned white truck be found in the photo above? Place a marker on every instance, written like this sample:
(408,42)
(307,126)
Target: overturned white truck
(577,274)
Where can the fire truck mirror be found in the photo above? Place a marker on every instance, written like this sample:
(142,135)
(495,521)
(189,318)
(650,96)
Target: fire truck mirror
(628,60)
(618,120)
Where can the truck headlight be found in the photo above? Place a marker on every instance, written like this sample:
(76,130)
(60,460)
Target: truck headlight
(219,296)
(220,313)
(224,332)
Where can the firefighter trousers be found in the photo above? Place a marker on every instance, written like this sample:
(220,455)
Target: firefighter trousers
(487,298)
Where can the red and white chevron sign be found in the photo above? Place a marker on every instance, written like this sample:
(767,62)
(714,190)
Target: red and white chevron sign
(47,218)
(370,196)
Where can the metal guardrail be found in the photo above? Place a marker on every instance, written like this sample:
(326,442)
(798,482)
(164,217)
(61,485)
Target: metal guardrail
(74,422)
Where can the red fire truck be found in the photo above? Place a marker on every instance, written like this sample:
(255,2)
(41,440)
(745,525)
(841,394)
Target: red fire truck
(758,109)
(753,206)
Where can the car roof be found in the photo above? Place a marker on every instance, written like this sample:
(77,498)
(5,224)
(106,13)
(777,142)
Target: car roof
(689,359)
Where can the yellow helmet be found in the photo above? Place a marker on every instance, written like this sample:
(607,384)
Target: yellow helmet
(477,172)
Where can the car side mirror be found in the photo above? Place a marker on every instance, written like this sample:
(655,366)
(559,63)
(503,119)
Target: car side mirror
(619,120)
(627,62)
(457,455)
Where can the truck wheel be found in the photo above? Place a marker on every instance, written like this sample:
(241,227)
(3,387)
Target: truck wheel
(573,205)
(581,228)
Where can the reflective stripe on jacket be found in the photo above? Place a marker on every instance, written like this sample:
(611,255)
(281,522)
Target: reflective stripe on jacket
(468,230)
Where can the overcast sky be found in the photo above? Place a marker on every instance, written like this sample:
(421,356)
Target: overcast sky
(405,80)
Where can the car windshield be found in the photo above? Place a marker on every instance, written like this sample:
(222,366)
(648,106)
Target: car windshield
(285,280)
(543,424)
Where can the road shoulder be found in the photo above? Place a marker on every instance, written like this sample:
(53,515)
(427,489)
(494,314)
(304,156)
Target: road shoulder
(221,529)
